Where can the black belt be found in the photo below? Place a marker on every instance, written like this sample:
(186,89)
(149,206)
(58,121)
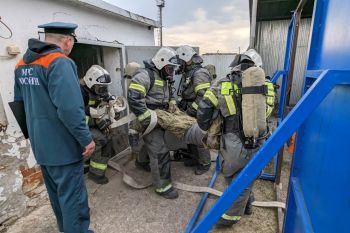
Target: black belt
(158,106)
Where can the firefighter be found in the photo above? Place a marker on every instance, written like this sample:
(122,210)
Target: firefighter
(100,115)
(225,97)
(150,89)
(194,82)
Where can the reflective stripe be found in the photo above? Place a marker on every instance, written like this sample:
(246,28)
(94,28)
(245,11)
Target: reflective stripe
(138,87)
(162,190)
(201,86)
(211,96)
(226,88)
(231,218)
(144,115)
(159,83)
(195,105)
(270,98)
(92,102)
(268,110)
(230,104)
(100,166)
(87,119)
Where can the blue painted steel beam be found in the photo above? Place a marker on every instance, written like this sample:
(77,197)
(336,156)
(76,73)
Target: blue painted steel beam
(307,104)
(301,206)
(277,75)
(204,197)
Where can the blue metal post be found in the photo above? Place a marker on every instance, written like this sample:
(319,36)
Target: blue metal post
(308,103)
(283,93)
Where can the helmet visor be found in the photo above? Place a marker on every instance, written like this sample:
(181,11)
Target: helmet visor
(106,79)
(101,90)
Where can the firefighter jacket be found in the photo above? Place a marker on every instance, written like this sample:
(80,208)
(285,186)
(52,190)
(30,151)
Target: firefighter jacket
(195,81)
(225,96)
(46,81)
(148,90)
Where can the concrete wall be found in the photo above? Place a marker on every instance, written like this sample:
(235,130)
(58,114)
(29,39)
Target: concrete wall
(17,174)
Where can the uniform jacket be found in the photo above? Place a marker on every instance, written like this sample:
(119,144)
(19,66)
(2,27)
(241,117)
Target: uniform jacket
(46,81)
(223,96)
(142,96)
(195,82)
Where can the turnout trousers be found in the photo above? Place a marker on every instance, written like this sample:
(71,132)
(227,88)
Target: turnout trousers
(193,137)
(159,158)
(102,153)
(68,196)
(233,158)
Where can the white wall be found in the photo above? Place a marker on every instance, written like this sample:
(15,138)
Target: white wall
(23,16)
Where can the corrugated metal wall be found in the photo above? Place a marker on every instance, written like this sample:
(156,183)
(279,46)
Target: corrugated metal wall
(221,61)
(271,43)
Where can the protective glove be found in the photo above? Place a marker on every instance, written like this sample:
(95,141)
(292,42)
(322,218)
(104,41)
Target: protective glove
(183,105)
(145,123)
(104,125)
(172,106)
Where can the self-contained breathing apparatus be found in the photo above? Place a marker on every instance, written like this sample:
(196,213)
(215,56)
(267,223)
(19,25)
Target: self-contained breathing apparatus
(254,98)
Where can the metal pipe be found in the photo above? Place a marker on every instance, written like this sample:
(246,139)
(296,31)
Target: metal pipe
(161,26)
(253,24)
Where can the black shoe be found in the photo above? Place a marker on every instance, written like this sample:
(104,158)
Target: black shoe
(190,162)
(98,179)
(249,207)
(143,166)
(169,194)
(224,223)
(201,169)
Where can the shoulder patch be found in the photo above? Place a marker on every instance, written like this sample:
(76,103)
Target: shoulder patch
(44,61)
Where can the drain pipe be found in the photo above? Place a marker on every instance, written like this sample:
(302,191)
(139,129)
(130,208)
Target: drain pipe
(253,24)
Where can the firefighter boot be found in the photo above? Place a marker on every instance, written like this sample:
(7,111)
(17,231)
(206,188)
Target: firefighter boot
(201,169)
(98,179)
(249,207)
(169,194)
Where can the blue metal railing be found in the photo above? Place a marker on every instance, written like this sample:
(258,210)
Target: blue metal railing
(307,104)
(284,85)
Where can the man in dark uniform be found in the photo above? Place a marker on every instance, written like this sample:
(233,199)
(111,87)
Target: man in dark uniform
(47,83)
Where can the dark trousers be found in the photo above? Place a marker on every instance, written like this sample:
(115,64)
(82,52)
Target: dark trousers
(233,158)
(159,158)
(68,196)
(102,153)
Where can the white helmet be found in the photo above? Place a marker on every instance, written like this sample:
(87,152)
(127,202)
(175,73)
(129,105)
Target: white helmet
(97,79)
(254,56)
(165,56)
(131,68)
(185,53)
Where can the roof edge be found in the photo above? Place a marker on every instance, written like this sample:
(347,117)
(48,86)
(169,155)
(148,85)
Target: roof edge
(111,9)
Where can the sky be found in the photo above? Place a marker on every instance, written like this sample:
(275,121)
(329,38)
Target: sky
(213,25)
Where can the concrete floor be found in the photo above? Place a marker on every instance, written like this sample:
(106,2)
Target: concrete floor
(117,208)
